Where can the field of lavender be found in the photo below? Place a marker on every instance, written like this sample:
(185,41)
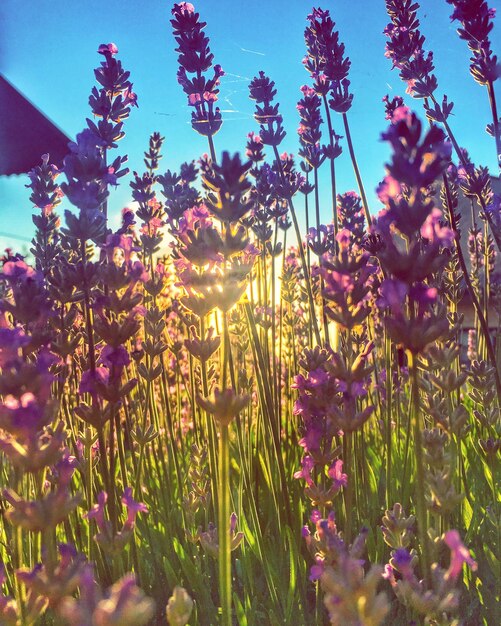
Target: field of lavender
(214,416)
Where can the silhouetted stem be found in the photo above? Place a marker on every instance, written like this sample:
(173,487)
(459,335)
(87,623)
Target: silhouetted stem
(211,148)
(357,171)
(332,167)
(497,130)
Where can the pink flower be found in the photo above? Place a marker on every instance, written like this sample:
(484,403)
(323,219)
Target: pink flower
(433,230)
(307,91)
(194,99)
(17,270)
(307,465)
(130,97)
(108,49)
(184,6)
(459,554)
(389,188)
(400,113)
(336,473)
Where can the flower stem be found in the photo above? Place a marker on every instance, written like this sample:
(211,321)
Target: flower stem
(356,170)
(349,487)
(389,400)
(224,526)
(497,130)
(211,148)
(420,480)
(332,167)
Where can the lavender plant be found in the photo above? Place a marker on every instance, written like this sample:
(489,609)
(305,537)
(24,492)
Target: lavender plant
(180,398)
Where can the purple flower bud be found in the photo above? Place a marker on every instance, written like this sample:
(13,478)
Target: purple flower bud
(108,49)
(97,511)
(133,508)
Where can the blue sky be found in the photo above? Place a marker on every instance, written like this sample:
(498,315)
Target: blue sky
(48,51)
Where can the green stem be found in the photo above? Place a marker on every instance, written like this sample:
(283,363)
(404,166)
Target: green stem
(419,487)
(349,487)
(388,407)
(224,526)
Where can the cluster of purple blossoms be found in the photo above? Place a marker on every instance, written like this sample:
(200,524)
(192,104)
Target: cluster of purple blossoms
(321,241)
(405,49)
(254,151)
(196,58)
(326,61)
(124,603)
(113,101)
(86,167)
(348,280)
(46,195)
(212,263)
(327,404)
(262,90)
(27,410)
(394,108)
(411,214)
(309,128)
(443,597)
(476,19)
(285,180)
(45,192)
(179,193)
(350,590)
(351,216)
(114,542)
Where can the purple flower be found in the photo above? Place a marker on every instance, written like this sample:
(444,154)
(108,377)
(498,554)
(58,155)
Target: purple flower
(115,357)
(97,511)
(393,294)
(394,107)
(402,559)
(92,380)
(307,465)
(133,508)
(262,90)
(196,58)
(476,18)
(336,473)
(108,49)
(11,340)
